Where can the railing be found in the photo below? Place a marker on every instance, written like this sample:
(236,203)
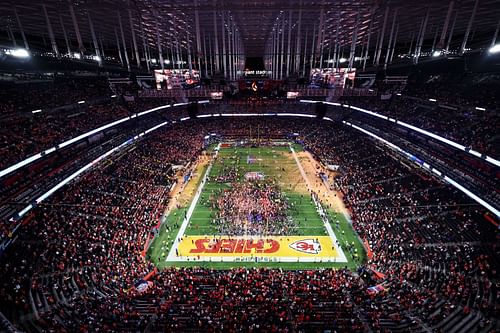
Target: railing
(303,92)
(6,325)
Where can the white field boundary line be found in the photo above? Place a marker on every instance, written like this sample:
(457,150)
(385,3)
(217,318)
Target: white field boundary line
(257,259)
(331,192)
(342,257)
(171,255)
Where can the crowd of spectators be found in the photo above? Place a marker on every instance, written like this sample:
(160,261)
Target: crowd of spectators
(78,256)
(51,93)
(460,107)
(255,207)
(24,135)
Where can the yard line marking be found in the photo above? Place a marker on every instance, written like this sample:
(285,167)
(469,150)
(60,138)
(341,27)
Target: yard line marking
(327,224)
(171,255)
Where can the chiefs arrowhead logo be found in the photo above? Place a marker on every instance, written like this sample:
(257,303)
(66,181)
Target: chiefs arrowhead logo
(309,246)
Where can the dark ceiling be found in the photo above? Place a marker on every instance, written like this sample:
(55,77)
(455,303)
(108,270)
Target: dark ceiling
(254,20)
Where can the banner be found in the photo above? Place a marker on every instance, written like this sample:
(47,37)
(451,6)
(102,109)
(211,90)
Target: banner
(276,246)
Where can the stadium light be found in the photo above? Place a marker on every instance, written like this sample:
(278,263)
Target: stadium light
(494,49)
(18,53)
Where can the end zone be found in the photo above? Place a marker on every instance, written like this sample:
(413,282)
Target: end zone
(272,248)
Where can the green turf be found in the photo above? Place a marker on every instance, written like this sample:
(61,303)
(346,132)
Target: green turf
(272,163)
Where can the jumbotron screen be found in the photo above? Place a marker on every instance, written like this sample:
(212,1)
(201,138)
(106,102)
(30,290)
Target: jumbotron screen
(332,77)
(176,78)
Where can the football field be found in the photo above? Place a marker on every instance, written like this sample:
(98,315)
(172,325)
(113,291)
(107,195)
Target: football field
(253,207)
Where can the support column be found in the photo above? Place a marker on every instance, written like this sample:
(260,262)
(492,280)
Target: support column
(102,47)
(440,44)
(469,27)
(277,52)
(304,56)
(94,39)
(311,61)
(297,43)
(211,56)
(394,44)
(352,54)
(205,55)
(178,53)
(289,43)
(145,52)
(51,33)
(421,36)
(381,37)
(369,37)
(234,52)
(11,35)
(21,30)
(134,41)
(158,43)
(119,47)
(190,61)
(230,49)
(65,35)
(271,54)
(216,40)
(335,47)
(387,55)
(123,40)
(495,35)
(282,52)
(198,36)
(450,36)
(81,47)
(224,47)
(434,40)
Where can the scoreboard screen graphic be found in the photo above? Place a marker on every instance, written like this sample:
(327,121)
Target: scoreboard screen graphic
(332,77)
(176,78)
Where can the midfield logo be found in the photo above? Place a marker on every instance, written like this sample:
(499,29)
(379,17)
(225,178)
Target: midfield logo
(309,246)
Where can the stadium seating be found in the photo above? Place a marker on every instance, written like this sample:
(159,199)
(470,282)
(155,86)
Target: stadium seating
(78,255)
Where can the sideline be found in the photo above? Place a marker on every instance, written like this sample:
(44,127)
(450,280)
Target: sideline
(342,257)
(172,255)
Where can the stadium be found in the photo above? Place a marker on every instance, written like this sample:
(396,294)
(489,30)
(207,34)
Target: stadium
(249,166)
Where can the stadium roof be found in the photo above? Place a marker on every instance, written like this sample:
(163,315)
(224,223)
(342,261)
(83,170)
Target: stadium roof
(254,21)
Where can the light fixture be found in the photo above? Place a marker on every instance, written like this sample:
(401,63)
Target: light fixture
(494,49)
(97,58)
(480,109)
(36,111)
(432,100)
(77,55)
(18,53)
(342,60)
(166,61)
(153,61)
(436,53)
